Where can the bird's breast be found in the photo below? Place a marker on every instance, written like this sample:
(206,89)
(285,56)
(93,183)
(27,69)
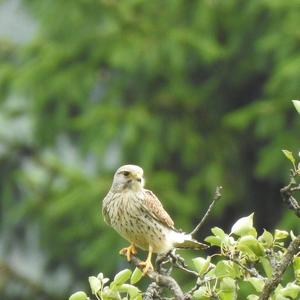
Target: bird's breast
(130,218)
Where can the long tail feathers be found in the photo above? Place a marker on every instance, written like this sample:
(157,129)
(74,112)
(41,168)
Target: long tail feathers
(191,244)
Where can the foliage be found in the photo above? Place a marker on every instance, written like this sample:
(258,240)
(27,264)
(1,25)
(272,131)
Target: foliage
(297,105)
(242,257)
(196,92)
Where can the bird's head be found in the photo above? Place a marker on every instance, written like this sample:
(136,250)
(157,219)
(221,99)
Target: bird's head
(129,177)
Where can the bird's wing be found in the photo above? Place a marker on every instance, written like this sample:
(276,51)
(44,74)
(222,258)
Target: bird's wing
(105,212)
(156,210)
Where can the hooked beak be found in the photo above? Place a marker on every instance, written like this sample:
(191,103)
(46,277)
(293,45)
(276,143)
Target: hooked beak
(137,177)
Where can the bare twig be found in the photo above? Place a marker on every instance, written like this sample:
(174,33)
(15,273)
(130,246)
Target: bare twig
(217,196)
(163,263)
(186,270)
(273,282)
(287,197)
(295,188)
(189,294)
(162,280)
(178,262)
(252,271)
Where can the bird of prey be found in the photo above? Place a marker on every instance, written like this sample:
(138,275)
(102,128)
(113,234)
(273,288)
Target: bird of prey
(139,217)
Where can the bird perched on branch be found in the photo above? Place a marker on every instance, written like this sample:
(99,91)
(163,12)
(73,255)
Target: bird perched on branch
(138,216)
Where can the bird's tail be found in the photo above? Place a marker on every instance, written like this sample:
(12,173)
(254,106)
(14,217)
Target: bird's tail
(191,244)
(187,242)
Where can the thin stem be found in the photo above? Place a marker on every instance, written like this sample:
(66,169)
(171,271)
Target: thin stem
(178,262)
(217,196)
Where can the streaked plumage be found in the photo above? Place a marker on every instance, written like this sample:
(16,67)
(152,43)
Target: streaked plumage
(138,216)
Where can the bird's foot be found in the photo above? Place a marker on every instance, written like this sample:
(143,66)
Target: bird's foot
(131,250)
(146,265)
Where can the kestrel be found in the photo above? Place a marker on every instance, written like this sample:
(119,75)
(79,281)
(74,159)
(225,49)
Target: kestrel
(138,216)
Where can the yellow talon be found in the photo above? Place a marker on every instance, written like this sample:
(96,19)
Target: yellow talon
(146,265)
(128,251)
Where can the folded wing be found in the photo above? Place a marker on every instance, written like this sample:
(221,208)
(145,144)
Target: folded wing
(156,210)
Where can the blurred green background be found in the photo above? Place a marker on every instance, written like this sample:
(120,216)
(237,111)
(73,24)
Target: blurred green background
(196,92)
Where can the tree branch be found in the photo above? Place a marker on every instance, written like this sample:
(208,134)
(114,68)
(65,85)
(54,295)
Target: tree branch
(217,196)
(294,247)
(152,291)
(161,280)
(179,263)
(252,271)
(287,197)
(273,282)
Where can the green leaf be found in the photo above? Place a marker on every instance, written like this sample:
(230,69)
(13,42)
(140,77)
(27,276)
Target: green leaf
(250,246)
(244,226)
(228,289)
(291,290)
(201,264)
(296,266)
(228,295)
(132,290)
(280,234)
(266,239)
(138,297)
(217,238)
(257,283)
(296,263)
(297,105)
(102,279)
(225,268)
(228,284)
(228,241)
(201,294)
(122,277)
(297,276)
(136,276)
(218,232)
(289,155)
(252,297)
(109,294)
(280,297)
(95,284)
(80,295)
(213,240)
(292,234)
(267,266)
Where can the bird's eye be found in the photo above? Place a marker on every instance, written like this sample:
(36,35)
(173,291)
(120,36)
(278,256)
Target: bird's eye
(126,173)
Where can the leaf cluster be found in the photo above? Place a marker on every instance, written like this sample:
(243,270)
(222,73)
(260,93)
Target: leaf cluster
(241,256)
